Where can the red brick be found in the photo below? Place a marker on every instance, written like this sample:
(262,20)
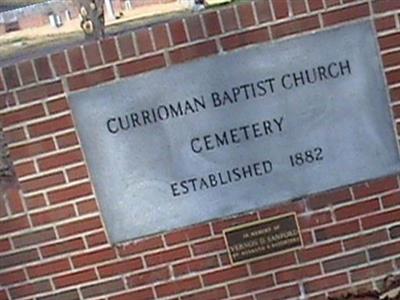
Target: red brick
(393,77)
(74,278)
(92,54)
(32,149)
(76,60)
(202,49)
(5,245)
(69,247)
(188,234)
(297,206)
(214,294)
(337,230)
(346,14)
(281,9)
(40,92)
(18,258)
(144,294)
(315,5)
(90,78)
(298,273)
(120,267)
(383,251)
(280,293)
(67,140)
(43,69)
(140,246)
(391,200)
(314,220)
(143,41)
(103,288)
(35,201)
(394,232)
(225,275)
(263,11)
(251,285)
(220,225)
(196,265)
(167,256)
(34,238)
(94,257)
(109,50)
(389,41)
(160,35)
(298,6)
(228,18)
(318,252)
(357,209)
(48,268)
(3,295)
(245,38)
(57,105)
(79,226)
(67,295)
(2,86)
(149,277)
(344,262)
(381,219)
(385,23)
(14,135)
(125,43)
(274,262)
(329,198)
(10,76)
(325,282)
(141,65)
(26,72)
(59,62)
(365,240)
(77,173)
(371,271)
(13,225)
(30,289)
(53,215)
(396,110)
(211,23)
(330,3)
(50,126)
(177,30)
(96,239)
(14,198)
(7,100)
(296,26)
(60,160)
(87,206)
(213,245)
(178,286)
(246,15)
(195,30)
(12,277)
(70,193)
(382,6)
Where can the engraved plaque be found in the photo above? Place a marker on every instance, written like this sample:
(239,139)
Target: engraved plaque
(262,238)
(237,131)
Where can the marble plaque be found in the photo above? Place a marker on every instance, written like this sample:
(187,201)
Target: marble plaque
(237,131)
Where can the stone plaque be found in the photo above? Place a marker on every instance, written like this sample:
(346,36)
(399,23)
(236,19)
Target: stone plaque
(262,238)
(237,131)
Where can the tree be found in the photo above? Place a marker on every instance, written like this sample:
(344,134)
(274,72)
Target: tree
(92,18)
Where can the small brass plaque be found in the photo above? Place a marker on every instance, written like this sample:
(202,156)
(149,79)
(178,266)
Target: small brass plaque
(261,238)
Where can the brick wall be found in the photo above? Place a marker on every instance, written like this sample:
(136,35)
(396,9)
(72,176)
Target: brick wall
(53,243)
